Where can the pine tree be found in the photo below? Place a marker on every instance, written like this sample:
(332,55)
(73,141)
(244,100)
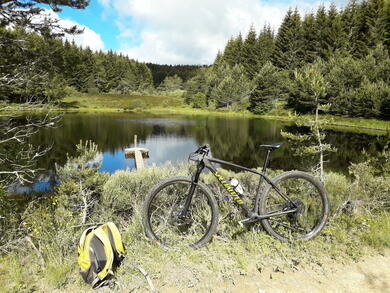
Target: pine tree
(196,84)
(229,54)
(360,21)
(266,89)
(233,88)
(335,35)
(386,25)
(289,42)
(376,13)
(232,54)
(266,45)
(310,35)
(312,88)
(250,54)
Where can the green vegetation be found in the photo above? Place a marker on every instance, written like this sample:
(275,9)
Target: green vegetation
(46,235)
(349,47)
(54,67)
(175,105)
(161,72)
(267,73)
(117,102)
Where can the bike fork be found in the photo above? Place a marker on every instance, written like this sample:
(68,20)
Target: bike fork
(195,179)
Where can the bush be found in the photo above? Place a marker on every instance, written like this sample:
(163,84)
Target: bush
(126,190)
(199,101)
(55,89)
(71,91)
(92,90)
(368,100)
(370,188)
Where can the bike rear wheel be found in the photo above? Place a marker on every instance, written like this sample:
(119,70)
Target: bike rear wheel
(162,208)
(310,199)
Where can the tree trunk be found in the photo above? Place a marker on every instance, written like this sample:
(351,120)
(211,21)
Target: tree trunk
(85,204)
(320,147)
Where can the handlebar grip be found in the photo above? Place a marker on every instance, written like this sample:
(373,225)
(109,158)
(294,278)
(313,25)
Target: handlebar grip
(204,149)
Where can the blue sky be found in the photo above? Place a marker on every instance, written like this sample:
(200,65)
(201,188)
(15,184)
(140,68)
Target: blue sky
(176,31)
(92,17)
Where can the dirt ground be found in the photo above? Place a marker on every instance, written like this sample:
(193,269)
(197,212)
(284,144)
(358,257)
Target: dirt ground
(369,275)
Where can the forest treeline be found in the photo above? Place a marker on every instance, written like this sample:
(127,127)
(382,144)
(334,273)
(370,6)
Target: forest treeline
(38,67)
(344,53)
(341,53)
(162,71)
(52,67)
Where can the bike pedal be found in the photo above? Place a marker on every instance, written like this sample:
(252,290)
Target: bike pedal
(247,221)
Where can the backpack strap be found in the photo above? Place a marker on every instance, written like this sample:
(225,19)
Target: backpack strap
(115,240)
(109,253)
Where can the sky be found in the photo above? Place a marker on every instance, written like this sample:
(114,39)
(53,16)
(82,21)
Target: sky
(175,31)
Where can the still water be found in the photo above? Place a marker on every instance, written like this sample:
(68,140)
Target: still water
(173,137)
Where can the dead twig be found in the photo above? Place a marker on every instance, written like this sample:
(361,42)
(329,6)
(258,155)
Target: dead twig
(39,253)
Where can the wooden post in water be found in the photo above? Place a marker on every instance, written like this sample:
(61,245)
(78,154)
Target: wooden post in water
(138,154)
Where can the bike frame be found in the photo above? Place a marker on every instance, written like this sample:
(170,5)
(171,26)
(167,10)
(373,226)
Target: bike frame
(207,161)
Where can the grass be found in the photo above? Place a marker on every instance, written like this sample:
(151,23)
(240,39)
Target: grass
(175,105)
(117,102)
(233,251)
(379,232)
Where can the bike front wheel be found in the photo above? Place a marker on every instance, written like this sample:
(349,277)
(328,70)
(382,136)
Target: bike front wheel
(162,213)
(308,196)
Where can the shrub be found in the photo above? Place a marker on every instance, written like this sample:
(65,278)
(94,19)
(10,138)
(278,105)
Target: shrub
(71,91)
(199,101)
(371,189)
(125,190)
(368,100)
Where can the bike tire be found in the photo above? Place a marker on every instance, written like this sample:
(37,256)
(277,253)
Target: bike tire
(294,184)
(203,203)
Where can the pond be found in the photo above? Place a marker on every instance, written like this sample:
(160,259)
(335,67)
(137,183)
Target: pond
(173,137)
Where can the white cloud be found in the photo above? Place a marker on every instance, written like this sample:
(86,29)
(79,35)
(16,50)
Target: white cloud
(88,38)
(192,31)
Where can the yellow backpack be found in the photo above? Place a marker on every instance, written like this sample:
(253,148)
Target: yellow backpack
(100,251)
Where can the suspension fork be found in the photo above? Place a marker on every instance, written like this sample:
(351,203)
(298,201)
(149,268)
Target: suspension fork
(195,179)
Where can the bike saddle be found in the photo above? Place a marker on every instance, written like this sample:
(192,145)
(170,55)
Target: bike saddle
(272,146)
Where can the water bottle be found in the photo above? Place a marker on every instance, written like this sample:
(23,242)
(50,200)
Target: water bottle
(236,186)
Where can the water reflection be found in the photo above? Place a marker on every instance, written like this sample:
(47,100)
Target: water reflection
(172,138)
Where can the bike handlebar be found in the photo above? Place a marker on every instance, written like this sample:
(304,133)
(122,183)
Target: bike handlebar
(204,149)
(200,153)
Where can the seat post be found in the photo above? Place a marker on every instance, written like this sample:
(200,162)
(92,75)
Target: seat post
(266,160)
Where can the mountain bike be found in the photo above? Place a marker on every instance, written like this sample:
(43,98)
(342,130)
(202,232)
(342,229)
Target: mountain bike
(183,210)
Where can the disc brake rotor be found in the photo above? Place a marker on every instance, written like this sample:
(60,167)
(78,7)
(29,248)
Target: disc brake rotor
(178,220)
